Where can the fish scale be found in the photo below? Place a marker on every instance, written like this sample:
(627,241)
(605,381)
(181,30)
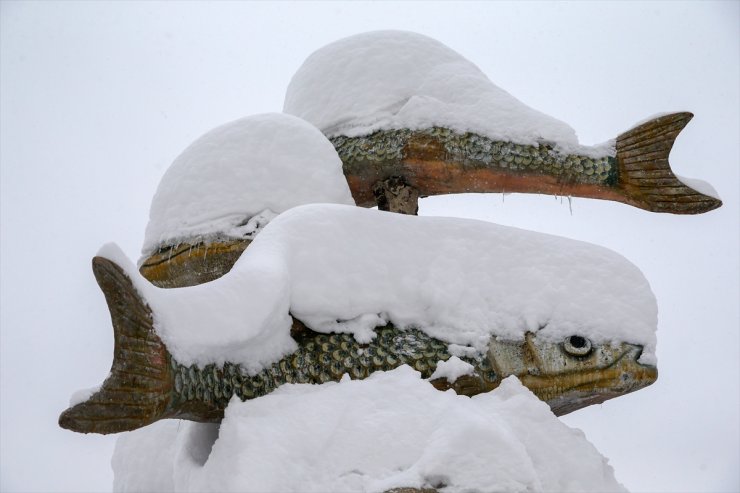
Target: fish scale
(474,151)
(319,358)
(437,160)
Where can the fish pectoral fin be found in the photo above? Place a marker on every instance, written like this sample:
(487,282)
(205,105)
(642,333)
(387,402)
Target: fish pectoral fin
(645,175)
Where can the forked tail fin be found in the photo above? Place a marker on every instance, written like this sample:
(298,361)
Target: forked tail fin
(645,175)
(137,390)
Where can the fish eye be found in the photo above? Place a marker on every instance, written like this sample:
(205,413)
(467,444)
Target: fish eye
(577,345)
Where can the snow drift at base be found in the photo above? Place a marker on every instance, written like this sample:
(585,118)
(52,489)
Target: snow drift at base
(390,430)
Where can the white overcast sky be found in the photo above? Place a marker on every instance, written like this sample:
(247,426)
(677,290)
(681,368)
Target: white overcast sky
(98,98)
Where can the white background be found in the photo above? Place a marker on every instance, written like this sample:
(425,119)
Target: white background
(97,99)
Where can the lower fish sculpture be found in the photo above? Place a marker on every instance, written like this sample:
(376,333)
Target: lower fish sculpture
(438,161)
(147,383)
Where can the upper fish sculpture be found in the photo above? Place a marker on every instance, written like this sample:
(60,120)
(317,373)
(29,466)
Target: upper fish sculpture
(410,117)
(184,353)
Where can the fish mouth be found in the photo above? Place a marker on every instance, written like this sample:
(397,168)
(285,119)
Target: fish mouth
(569,391)
(570,377)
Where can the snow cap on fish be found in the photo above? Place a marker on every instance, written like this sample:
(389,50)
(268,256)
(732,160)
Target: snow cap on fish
(386,80)
(235,178)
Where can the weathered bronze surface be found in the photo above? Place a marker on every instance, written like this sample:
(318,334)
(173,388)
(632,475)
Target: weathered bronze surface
(188,264)
(439,161)
(147,384)
(395,195)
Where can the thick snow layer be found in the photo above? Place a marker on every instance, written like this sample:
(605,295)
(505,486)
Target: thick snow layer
(391,430)
(263,163)
(396,79)
(347,269)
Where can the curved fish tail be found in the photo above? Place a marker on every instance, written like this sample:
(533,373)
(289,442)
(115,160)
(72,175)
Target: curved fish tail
(137,390)
(645,175)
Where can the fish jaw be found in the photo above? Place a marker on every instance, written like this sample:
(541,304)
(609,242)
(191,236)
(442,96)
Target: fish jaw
(569,382)
(566,393)
(626,377)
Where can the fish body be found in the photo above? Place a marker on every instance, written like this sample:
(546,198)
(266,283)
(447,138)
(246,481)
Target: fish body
(402,105)
(438,160)
(146,383)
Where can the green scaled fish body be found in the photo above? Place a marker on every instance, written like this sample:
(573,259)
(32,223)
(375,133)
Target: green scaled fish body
(320,358)
(632,169)
(147,384)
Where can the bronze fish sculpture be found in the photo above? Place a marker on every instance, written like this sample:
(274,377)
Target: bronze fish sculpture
(403,106)
(383,168)
(147,383)
(437,161)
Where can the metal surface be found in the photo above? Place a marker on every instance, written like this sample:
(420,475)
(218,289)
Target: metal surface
(439,161)
(146,384)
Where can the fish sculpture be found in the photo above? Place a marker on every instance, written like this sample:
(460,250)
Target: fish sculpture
(438,160)
(393,168)
(147,382)
(404,107)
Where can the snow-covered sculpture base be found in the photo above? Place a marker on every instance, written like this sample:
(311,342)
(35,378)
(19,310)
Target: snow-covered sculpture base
(391,430)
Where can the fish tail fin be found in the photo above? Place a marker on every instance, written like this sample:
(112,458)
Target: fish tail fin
(138,388)
(645,175)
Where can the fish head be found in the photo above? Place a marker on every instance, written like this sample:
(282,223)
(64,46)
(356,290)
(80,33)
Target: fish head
(574,372)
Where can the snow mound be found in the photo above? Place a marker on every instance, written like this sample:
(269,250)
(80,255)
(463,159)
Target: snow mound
(390,430)
(395,79)
(452,369)
(347,269)
(259,164)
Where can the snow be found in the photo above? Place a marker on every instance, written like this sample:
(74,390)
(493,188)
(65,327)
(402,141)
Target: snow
(700,186)
(347,269)
(82,395)
(452,369)
(397,79)
(649,118)
(261,164)
(142,460)
(390,430)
